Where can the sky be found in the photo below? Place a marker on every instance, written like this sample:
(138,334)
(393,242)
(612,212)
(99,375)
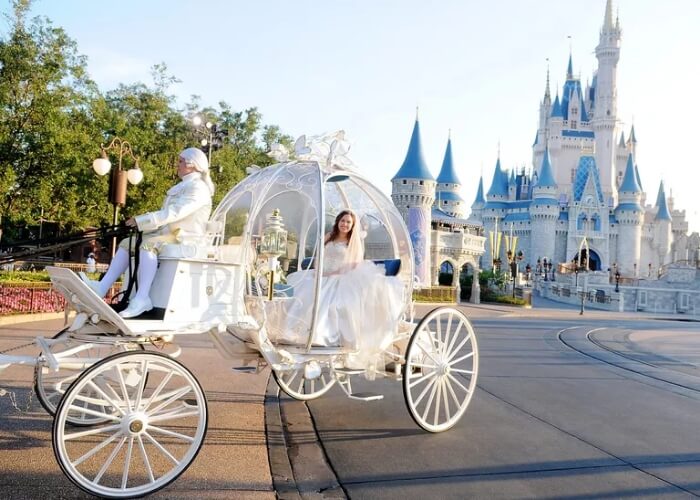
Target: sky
(475,69)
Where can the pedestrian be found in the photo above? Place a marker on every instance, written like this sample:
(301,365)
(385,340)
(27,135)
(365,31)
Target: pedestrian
(90,263)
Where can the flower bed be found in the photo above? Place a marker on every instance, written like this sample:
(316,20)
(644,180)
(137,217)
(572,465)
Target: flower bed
(20,298)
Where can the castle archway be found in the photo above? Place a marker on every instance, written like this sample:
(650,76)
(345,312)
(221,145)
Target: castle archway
(446,274)
(594,262)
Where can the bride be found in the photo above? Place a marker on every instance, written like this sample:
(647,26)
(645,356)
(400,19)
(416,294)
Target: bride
(358,305)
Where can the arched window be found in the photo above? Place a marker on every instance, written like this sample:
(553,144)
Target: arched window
(581,222)
(596,222)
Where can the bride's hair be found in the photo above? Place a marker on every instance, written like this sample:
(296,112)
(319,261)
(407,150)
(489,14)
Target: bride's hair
(355,251)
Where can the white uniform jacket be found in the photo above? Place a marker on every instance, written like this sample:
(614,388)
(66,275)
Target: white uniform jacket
(185,211)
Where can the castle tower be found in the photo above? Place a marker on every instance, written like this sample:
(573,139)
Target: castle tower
(413,193)
(544,212)
(604,121)
(662,227)
(447,197)
(493,213)
(479,203)
(630,216)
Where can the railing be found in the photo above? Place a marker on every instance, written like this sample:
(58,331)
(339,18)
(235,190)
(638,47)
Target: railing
(28,265)
(18,298)
(28,297)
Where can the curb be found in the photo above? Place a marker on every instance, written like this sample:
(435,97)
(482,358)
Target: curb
(29,318)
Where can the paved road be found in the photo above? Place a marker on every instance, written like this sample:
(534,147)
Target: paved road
(597,406)
(233,462)
(567,406)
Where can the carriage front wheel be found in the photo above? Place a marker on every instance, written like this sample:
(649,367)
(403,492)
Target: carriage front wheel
(153,418)
(442,364)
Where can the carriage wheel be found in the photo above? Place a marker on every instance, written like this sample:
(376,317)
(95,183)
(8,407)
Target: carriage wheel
(297,386)
(50,386)
(442,364)
(156,422)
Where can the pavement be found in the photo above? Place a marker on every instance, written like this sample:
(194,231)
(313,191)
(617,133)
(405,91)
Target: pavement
(259,444)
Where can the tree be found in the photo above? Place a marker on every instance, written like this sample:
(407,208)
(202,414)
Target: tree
(45,128)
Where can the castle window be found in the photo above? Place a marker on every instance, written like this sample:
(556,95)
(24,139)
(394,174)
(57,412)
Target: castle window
(573,174)
(573,124)
(405,181)
(444,202)
(421,183)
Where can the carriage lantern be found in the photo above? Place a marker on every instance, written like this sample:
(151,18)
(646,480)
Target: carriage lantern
(274,244)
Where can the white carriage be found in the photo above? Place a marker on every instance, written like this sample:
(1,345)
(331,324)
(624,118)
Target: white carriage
(128,421)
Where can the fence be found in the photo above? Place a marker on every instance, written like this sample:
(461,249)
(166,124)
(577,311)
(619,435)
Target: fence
(28,265)
(18,298)
(23,298)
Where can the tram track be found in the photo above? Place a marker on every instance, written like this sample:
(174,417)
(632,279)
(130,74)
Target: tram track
(648,370)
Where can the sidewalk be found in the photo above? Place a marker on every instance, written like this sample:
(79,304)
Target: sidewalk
(233,462)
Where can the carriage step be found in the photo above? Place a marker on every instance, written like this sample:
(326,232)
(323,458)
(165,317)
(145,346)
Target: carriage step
(245,369)
(348,371)
(366,396)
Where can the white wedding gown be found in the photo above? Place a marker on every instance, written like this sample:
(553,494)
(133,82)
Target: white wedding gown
(358,308)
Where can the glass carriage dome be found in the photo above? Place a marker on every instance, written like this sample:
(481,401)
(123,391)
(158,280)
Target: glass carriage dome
(308,193)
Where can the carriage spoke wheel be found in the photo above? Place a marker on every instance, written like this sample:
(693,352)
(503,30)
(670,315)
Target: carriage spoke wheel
(297,386)
(442,364)
(50,386)
(153,427)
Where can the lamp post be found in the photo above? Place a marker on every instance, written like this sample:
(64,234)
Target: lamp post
(119,178)
(617,281)
(274,244)
(528,269)
(545,267)
(213,137)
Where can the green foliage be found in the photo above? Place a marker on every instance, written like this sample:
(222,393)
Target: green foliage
(491,296)
(23,276)
(53,119)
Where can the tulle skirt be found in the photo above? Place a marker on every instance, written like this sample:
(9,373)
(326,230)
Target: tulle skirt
(357,310)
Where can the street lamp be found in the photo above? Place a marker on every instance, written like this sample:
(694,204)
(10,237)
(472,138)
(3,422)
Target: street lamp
(545,267)
(528,269)
(617,281)
(119,178)
(213,137)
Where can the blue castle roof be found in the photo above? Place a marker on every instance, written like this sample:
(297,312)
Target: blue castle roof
(546,178)
(556,108)
(414,166)
(629,181)
(517,216)
(447,172)
(663,212)
(545,201)
(447,195)
(587,169)
(628,206)
(499,184)
(480,192)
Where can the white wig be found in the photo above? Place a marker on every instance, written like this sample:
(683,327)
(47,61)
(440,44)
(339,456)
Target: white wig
(196,159)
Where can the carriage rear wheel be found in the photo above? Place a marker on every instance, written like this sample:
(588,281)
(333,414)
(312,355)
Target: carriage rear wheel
(154,425)
(50,386)
(295,384)
(442,364)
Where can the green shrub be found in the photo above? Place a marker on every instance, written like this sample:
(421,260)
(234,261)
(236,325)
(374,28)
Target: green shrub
(27,276)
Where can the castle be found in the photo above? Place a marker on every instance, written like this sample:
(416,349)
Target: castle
(582,202)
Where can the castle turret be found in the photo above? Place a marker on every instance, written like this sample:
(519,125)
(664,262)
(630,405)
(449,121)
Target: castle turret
(629,216)
(447,197)
(495,208)
(662,228)
(544,212)
(413,193)
(605,115)
(479,203)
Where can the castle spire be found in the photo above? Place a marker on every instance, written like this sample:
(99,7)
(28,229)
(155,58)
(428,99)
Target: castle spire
(547,94)
(447,173)
(663,212)
(570,68)
(608,21)
(414,166)
(546,177)
(629,181)
(480,192)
